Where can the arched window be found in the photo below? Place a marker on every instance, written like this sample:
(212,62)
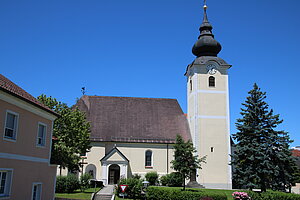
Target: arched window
(148,158)
(91,169)
(191,85)
(211,81)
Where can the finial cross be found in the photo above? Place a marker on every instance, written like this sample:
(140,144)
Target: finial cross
(204,2)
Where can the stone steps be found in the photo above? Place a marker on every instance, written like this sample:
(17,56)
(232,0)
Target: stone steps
(102,197)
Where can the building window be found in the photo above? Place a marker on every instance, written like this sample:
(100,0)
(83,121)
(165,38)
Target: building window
(211,149)
(148,158)
(211,81)
(5,182)
(36,191)
(191,85)
(11,125)
(41,138)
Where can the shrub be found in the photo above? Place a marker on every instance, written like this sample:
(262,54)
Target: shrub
(136,176)
(165,193)
(134,187)
(240,196)
(85,181)
(175,180)
(273,195)
(164,180)
(60,184)
(67,184)
(152,177)
(172,180)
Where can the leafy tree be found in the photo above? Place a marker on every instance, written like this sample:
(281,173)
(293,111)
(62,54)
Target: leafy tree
(262,157)
(185,160)
(71,134)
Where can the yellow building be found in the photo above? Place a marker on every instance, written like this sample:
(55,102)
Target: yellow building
(25,145)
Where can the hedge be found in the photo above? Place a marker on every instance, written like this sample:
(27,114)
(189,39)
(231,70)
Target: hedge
(272,195)
(67,184)
(165,193)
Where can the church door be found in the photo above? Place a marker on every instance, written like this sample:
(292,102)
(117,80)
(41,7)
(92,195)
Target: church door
(113,174)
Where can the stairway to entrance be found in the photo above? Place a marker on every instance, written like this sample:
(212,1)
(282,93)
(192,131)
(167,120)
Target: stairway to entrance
(106,193)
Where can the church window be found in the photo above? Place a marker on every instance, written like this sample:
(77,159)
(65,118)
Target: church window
(211,81)
(211,149)
(148,158)
(191,85)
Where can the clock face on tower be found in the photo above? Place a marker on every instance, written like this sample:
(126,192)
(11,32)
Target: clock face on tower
(211,69)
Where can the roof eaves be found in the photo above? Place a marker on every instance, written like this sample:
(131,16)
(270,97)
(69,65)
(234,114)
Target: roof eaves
(28,101)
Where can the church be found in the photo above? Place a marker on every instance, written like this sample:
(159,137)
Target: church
(132,135)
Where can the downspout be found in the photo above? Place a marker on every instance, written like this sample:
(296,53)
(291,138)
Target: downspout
(167,158)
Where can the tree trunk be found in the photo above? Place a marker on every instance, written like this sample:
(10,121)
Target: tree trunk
(263,185)
(183,178)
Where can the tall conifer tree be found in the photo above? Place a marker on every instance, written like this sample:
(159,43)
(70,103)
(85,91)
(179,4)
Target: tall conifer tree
(261,158)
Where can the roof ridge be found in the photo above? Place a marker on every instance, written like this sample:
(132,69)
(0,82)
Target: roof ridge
(95,96)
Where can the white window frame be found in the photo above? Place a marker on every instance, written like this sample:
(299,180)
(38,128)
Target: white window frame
(16,125)
(44,136)
(41,189)
(8,183)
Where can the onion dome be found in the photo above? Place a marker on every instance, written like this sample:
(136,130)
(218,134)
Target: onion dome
(206,44)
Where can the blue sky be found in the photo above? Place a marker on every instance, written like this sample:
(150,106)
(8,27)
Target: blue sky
(141,49)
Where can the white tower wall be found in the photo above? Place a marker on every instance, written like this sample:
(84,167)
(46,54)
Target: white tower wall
(208,116)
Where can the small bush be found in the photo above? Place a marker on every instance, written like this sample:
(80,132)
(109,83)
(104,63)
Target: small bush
(172,180)
(134,187)
(85,181)
(67,184)
(175,179)
(240,196)
(60,184)
(164,180)
(165,193)
(152,177)
(136,176)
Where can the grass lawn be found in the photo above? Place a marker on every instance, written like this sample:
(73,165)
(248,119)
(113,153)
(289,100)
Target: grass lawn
(78,194)
(119,198)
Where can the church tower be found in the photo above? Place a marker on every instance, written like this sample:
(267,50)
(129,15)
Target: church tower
(208,109)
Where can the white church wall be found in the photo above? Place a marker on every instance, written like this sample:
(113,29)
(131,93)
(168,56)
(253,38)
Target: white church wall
(94,156)
(162,155)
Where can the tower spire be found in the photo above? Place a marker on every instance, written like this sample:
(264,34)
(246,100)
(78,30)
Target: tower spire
(206,44)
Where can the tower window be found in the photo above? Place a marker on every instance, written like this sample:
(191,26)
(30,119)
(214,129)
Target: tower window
(148,158)
(211,149)
(191,85)
(211,81)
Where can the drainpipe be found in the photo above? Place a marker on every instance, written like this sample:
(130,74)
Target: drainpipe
(167,158)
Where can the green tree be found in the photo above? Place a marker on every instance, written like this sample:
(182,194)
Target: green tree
(262,157)
(71,134)
(185,160)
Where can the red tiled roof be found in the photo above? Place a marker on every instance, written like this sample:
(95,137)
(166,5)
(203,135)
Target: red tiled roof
(131,119)
(296,153)
(13,89)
